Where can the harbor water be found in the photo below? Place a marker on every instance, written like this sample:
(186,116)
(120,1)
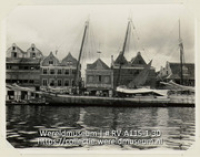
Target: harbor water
(96,127)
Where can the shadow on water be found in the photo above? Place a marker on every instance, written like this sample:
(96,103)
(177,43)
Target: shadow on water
(176,125)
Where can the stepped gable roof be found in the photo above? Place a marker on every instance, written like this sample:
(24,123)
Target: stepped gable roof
(69,59)
(98,65)
(22,60)
(138,59)
(188,69)
(121,59)
(50,57)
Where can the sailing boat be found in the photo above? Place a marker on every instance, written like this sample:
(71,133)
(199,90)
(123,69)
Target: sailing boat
(136,86)
(181,86)
(133,87)
(76,85)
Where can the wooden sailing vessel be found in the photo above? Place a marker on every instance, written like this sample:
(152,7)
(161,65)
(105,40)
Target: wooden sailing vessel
(142,96)
(136,86)
(180,87)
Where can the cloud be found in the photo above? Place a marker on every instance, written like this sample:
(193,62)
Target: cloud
(61,27)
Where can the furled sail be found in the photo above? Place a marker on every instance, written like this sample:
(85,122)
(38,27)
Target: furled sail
(141,78)
(19,88)
(59,90)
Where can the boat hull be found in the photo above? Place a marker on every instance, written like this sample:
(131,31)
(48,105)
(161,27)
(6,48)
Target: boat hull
(118,101)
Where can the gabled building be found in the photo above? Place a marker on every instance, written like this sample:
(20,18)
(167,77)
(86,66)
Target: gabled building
(33,52)
(130,69)
(15,52)
(99,77)
(58,74)
(172,71)
(24,70)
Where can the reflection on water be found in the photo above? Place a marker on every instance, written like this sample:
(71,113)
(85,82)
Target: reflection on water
(176,124)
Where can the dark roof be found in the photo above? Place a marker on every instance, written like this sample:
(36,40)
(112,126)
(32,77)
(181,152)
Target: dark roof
(98,65)
(69,59)
(138,59)
(121,59)
(22,60)
(188,69)
(50,57)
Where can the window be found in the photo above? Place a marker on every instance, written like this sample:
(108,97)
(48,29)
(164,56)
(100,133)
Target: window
(33,55)
(59,71)
(33,49)
(99,78)
(11,93)
(31,81)
(52,71)
(90,79)
(14,81)
(73,83)
(8,67)
(44,71)
(8,81)
(14,54)
(107,79)
(67,71)
(140,62)
(15,67)
(37,89)
(50,62)
(66,82)
(26,67)
(52,83)
(59,83)
(74,72)
(44,82)
(13,48)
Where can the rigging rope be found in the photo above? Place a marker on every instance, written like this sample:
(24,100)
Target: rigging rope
(138,39)
(77,27)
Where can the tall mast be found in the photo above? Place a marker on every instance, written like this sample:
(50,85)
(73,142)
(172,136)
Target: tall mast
(122,52)
(181,54)
(80,53)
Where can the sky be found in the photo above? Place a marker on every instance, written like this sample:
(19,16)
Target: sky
(155,31)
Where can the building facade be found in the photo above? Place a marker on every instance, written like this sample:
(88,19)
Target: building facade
(172,71)
(130,69)
(23,68)
(99,78)
(59,76)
